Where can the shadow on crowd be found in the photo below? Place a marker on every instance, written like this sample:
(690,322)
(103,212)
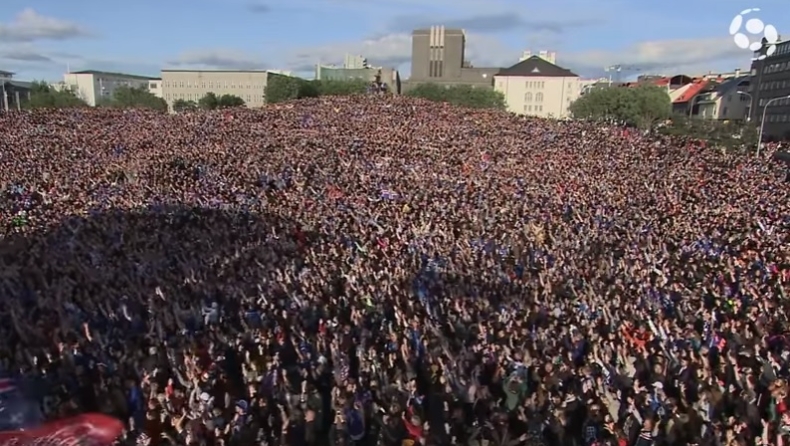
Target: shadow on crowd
(112,266)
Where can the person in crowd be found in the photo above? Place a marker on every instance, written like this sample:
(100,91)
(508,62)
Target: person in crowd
(394,272)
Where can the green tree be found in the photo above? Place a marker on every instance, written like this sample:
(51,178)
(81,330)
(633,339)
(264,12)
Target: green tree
(642,107)
(461,95)
(209,102)
(229,100)
(42,95)
(282,88)
(341,87)
(181,105)
(131,97)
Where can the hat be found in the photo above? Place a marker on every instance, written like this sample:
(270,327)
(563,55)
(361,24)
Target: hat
(658,385)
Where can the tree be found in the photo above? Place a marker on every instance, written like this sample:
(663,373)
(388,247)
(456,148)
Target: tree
(42,95)
(131,97)
(642,107)
(461,95)
(282,88)
(181,105)
(229,100)
(209,102)
(286,88)
(341,87)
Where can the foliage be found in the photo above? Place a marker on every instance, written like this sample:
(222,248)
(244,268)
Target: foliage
(213,102)
(209,102)
(462,95)
(42,95)
(286,88)
(229,100)
(340,87)
(283,88)
(181,105)
(724,134)
(131,97)
(642,106)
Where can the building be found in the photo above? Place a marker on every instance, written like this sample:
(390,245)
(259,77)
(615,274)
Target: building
(437,56)
(548,56)
(94,86)
(354,62)
(12,92)
(771,83)
(155,87)
(390,77)
(539,88)
(192,85)
(725,100)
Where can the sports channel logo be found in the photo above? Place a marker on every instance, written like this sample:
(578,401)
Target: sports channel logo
(748,32)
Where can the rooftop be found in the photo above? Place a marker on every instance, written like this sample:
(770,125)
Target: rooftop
(109,73)
(216,71)
(6,73)
(535,66)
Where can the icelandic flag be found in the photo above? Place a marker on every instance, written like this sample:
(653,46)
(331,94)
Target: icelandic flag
(17,411)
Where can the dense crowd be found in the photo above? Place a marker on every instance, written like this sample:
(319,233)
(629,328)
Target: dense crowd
(387,271)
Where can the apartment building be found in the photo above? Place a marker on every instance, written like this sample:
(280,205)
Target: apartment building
(771,88)
(538,87)
(94,86)
(728,100)
(192,85)
(438,56)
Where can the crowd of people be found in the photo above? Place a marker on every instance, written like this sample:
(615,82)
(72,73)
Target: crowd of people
(388,271)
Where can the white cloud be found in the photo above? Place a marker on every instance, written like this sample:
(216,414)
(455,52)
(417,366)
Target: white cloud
(29,26)
(686,56)
(394,50)
(218,59)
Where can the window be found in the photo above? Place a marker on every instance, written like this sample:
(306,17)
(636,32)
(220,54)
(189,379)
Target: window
(529,108)
(528,97)
(724,112)
(539,97)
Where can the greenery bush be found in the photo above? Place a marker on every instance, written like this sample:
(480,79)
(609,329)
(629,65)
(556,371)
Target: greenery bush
(461,95)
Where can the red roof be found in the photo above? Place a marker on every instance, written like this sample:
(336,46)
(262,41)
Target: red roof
(697,86)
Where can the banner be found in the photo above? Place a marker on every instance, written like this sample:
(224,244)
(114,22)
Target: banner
(87,429)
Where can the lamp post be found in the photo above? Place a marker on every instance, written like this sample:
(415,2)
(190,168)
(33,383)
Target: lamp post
(751,103)
(762,121)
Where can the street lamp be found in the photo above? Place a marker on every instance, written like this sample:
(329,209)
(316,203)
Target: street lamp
(762,121)
(751,103)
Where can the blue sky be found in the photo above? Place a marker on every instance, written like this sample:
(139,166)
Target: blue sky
(39,39)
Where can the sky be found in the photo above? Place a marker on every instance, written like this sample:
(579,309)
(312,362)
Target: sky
(41,39)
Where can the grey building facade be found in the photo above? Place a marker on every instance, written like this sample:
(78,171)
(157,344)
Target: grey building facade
(438,56)
(771,82)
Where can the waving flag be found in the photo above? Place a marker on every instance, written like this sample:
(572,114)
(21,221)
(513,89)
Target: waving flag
(93,429)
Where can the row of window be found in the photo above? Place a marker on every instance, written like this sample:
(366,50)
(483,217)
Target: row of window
(212,84)
(776,103)
(530,108)
(774,85)
(198,96)
(777,118)
(776,67)
(538,97)
(535,84)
